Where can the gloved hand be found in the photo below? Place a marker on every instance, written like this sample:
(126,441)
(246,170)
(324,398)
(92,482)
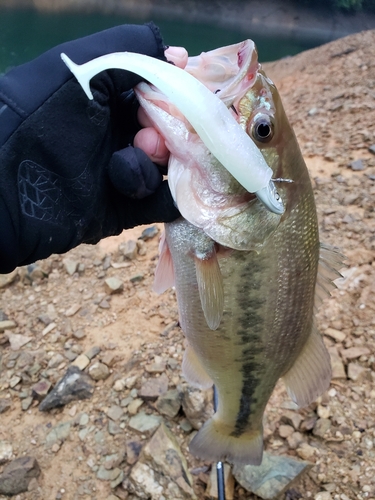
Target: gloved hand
(68,174)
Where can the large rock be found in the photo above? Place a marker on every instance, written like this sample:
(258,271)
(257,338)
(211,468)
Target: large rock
(162,470)
(74,385)
(273,477)
(197,405)
(17,475)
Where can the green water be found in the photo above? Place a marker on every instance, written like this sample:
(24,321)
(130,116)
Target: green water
(24,34)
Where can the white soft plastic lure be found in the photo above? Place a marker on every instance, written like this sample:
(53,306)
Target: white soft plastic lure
(207,114)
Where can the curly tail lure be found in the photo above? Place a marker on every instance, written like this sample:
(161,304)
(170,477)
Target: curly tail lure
(207,114)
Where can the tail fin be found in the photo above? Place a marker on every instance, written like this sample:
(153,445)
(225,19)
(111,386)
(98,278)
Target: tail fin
(216,442)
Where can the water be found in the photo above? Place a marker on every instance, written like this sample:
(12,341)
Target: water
(24,34)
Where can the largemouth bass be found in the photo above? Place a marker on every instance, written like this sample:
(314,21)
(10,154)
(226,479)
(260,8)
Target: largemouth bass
(246,278)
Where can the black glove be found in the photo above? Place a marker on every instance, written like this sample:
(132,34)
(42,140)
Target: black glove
(67,172)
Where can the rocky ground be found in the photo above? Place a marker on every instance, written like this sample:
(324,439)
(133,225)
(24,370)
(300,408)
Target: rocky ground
(91,318)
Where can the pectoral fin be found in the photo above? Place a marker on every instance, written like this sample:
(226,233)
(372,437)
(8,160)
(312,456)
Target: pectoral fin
(194,371)
(211,291)
(164,272)
(311,374)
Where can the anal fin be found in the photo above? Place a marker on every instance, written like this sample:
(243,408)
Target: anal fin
(194,371)
(311,373)
(211,290)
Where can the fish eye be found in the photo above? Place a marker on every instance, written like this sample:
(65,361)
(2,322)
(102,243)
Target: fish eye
(262,128)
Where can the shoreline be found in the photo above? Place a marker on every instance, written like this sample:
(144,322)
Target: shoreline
(258,16)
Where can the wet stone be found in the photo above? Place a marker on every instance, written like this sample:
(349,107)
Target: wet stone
(17,475)
(75,384)
(273,477)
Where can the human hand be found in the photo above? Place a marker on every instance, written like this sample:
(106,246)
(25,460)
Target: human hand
(69,175)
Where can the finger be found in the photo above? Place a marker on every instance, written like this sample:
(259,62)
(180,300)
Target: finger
(177,55)
(133,173)
(151,142)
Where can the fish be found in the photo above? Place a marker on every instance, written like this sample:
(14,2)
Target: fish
(247,265)
(247,280)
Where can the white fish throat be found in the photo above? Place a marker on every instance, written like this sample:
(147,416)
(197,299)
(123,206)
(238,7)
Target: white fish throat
(207,114)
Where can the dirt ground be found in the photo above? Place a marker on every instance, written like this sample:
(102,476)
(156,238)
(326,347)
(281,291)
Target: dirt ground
(329,97)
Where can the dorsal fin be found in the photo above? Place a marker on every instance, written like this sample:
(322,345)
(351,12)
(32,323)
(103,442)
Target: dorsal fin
(330,263)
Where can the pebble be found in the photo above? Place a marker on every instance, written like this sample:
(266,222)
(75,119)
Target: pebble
(110,358)
(26,403)
(357,372)
(70,266)
(145,424)
(134,406)
(41,389)
(58,433)
(84,419)
(197,405)
(6,452)
(18,474)
(99,371)
(72,310)
(321,427)
(169,404)
(133,449)
(17,340)
(7,325)
(114,428)
(149,232)
(285,431)
(49,328)
(56,360)
(79,334)
(5,405)
(323,495)
(115,412)
(81,362)
(113,285)
(355,352)
(152,388)
(306,452)
(335,334)
(129,249)
(372,149)
(94,351)
(357,165)
(338,368)
(107,475)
